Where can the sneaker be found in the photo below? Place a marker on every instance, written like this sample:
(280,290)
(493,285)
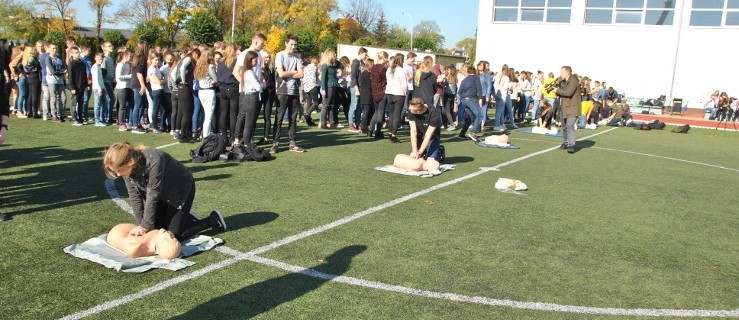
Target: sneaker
(461,137)
(499,129)
(352,128)
(338,125)
(76,123)
(473,137)
(571,149)
(84,121)
(451,128)
(394,139)
(217,221)
(514,126)
(273,150)
(295,148)
(123,128)
(22,116)
(404,127)
(263,140)
(194,217)
(46,118)
(563,146)
(157,131)
(137,130)
(100,124)
(177,136)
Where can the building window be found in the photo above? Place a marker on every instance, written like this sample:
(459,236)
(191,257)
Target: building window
(714,13)
(637,12)
(549,11)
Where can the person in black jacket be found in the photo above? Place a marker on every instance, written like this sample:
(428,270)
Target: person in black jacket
(160,189)
(228,92)
(269,95)
(4,101)
(77,85)
(365,94)
(32,69)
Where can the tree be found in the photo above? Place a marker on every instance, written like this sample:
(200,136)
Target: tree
(115,37)
(366,12)
(175,15)
(382,29)
(147,31)
(468,46)
(58,38)
(203,28)
(398,38)
(429,33)
(350,29)
(19,22)
(307,45)
(65,10)
(365,41)
(99,7)
(139,11)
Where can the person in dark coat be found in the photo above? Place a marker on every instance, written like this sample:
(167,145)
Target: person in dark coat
(570,94)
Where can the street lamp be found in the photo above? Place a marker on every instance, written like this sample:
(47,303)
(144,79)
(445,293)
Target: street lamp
(233,20)
(409,16)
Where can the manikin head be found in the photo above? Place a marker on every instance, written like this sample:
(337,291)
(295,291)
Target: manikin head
(431,165)
(166,245)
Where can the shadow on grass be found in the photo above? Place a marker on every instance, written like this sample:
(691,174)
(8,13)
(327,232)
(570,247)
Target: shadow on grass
(458,159)
(246,220)
(264,296)
(48,178)
(584,144)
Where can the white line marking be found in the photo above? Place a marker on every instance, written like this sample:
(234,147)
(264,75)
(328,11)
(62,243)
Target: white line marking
(535,140)
(669,158)
(251,256)
(168,145)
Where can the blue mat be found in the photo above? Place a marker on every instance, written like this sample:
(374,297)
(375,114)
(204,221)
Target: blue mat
(559,134)
(495,146)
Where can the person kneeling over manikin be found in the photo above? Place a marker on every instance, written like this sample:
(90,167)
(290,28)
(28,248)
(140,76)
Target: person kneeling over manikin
(158,242)
(407,162)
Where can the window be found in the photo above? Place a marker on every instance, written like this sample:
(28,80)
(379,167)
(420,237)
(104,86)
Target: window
(549,11)
(714,13)
(635,12)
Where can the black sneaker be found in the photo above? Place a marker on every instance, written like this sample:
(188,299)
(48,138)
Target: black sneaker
(216,221)
(394,139)
(571,149)
(194,217)
(139,130)
(563,146)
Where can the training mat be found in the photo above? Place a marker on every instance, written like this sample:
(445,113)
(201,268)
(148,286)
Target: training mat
(495,146)
(99,251)
(528,131)
(422,174)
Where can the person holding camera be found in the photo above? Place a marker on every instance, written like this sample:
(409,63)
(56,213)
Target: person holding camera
(569,92)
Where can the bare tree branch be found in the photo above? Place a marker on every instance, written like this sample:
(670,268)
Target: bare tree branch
(366,12)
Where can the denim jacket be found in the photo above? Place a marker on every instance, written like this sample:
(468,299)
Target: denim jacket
(487,84)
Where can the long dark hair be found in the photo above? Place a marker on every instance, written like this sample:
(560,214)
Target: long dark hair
(142,51)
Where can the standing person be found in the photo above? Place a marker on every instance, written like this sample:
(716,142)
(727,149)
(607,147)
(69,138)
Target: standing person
(123,90)
(161,191)
(257,44)
(426,82)
(344,96)
(17,74)
(450,95)
(425,130)
(487,88)
(205,73)
(4,99)
(165,98)
(85,58)
(32,69)
(410,74)
(330,66)
(395,92)
(45,96)
(501,96)
(98,89)
(439,88)
(55,70)
(365,93)
(157,81)
(229,93)
(311,88)
(289,72)
(527,87)
(269,96)
(77,85)
(379,82)
(471,99)
(185,98)
(174,74)
(570,94)
(355,108)
(109,78)
(536,94)
(138,85)
(249,110)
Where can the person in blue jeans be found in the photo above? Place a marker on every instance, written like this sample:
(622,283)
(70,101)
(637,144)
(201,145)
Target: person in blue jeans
(425,124)
(138,85)
(471,99)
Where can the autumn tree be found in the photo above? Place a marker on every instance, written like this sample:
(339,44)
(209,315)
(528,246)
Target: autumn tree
(173,18)
(350,29)
(139,11)
(98,6)
(19,22)
(366,12)
(66,18)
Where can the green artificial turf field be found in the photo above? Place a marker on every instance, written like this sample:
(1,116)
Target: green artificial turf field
(634,224)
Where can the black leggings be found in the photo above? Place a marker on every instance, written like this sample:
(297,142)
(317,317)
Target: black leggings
(395,103)
(248,114)
(330,106)
(34,95)
(179,221)
(448,107)
(379,116)
(184,109)
(229,110)
(368,111)
(124,100)
(268,100)
(312,97)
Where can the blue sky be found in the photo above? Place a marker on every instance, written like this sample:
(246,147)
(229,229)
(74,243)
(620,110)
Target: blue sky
(454,26)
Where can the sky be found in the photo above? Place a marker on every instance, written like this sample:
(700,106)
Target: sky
(454,26)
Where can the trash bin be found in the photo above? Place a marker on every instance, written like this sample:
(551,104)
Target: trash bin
(677,106)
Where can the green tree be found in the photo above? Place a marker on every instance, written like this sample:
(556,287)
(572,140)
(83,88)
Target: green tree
(18,22)
(115,37)
(429,32)
(204,28)
(425,43)
(381,30)
(365,41)
(175,13)
(307,45)
(468,46)
(58,38)
(399,38)
(147,31)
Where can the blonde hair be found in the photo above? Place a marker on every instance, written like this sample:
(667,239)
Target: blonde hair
(328,57)
(229,55)
(427,65)
(120,155)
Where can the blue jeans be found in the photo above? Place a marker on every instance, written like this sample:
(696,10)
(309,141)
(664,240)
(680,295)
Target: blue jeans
(499,109)
(535,109)
(355,110)
(197,113)
(101,113)
(85,103)
(111,101)
(20,103)
(475,113)
(432,149)
(581,121)
(135,118)
(154,107)
(509,109)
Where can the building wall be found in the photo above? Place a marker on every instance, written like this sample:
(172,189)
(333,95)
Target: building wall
(637,60)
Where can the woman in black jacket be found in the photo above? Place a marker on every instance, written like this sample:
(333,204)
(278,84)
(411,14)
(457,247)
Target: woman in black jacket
(160,189)
(32,69)
(365,94)
(269,95)
(229,93)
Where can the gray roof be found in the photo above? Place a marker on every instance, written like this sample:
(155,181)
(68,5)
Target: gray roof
(92,32)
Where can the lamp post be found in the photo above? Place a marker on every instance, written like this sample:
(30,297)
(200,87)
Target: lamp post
(233,20)
(409,16)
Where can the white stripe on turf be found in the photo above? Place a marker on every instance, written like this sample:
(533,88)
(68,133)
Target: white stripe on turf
(669,158)
(251,256)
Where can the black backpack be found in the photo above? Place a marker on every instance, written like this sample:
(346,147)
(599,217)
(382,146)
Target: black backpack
(212,147)
(681,129)
(249,152)
(657,125)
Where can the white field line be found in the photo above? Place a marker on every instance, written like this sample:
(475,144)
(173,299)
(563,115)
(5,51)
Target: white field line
(668,158)
(251,256)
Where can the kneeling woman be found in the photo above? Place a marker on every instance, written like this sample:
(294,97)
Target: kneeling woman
(160,189)
(425,134)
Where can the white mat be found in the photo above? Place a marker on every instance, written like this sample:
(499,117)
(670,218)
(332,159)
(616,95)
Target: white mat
(422,174)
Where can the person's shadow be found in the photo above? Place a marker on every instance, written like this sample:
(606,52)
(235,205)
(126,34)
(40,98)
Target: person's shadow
(261,297)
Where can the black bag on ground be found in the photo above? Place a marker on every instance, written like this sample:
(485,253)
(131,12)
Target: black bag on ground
(681,129)
(212,147)
(442,154)
(657,125)
(249,152)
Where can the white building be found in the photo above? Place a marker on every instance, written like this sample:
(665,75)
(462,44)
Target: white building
(643,48)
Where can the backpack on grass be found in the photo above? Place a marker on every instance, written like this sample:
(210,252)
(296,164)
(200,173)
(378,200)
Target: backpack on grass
(657,125)
(212,147)
(681,129)
(249,152)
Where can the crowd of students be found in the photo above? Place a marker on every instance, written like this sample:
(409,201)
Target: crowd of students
(193,91)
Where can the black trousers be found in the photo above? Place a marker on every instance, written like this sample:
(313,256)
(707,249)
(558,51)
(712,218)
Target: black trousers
(229,110)
(312,97)
(330,106)
(175,103)
(77,100)
(379,116)
(34,95)
(368,111)
(178,220)
(124,102)
(185,109)
(247,118)
(345,100)
(268,100)
(447,108)
(289,104)
(395,106)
